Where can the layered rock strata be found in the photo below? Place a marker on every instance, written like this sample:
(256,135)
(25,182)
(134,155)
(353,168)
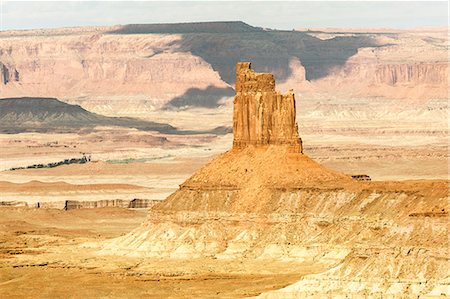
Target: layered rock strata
(263,200)
(118,203)
(110,71)
(262,116)
(84,204)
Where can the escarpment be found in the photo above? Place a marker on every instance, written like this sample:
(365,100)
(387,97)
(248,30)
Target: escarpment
(264,199)
(431,74)
(192,65)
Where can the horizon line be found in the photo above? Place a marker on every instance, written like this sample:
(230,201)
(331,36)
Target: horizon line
(300,29)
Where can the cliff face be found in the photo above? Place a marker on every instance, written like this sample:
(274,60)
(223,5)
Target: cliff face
(95,69)
(262,116)
(121,203)
(409,66)
(110,71)
(85,204)
(397,74)
(8,74)
(389,80)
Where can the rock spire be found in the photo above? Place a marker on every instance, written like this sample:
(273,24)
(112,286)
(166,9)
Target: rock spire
(263,116)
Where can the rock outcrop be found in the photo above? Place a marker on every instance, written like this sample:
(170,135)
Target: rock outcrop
(262,116)
(84,204)
(262,200)
(117,203)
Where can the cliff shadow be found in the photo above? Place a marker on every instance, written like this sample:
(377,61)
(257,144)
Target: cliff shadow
(223,44)
(209,97)
(272,52)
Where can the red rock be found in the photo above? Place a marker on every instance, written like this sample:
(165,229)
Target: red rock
(263,116)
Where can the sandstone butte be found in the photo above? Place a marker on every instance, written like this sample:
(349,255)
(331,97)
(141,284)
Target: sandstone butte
(264,199)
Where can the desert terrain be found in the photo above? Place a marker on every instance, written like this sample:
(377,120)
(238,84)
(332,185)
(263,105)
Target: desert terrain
(48,250)
(151,105)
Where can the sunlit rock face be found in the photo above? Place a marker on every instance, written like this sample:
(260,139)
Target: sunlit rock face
(262,116)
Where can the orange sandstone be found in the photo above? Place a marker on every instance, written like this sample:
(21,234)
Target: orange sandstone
(262,116)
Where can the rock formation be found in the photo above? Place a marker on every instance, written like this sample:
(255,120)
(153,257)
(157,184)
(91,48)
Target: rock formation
(119,203)
(84,204)
(262,116)
(264,200)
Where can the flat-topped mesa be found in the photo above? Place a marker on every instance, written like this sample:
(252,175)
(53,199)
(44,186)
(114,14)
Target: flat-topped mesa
(263,116)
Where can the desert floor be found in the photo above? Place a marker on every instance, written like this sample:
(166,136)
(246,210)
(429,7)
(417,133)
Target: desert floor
(47,253)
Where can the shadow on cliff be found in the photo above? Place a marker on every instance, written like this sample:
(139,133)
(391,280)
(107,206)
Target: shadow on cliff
(209,97)
(223,44)
(272,51)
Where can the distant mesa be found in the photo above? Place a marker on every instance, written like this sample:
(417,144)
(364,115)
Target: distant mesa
(41,115)
(195,27)
(29,114)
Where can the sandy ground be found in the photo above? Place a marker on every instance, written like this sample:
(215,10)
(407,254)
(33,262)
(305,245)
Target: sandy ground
(48,250)
(122,157)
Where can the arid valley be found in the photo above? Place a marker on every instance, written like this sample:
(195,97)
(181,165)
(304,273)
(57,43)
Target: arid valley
(152,161)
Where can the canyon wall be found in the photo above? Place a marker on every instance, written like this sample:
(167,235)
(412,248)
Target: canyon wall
(105,73)
(124,72)
(407,68)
